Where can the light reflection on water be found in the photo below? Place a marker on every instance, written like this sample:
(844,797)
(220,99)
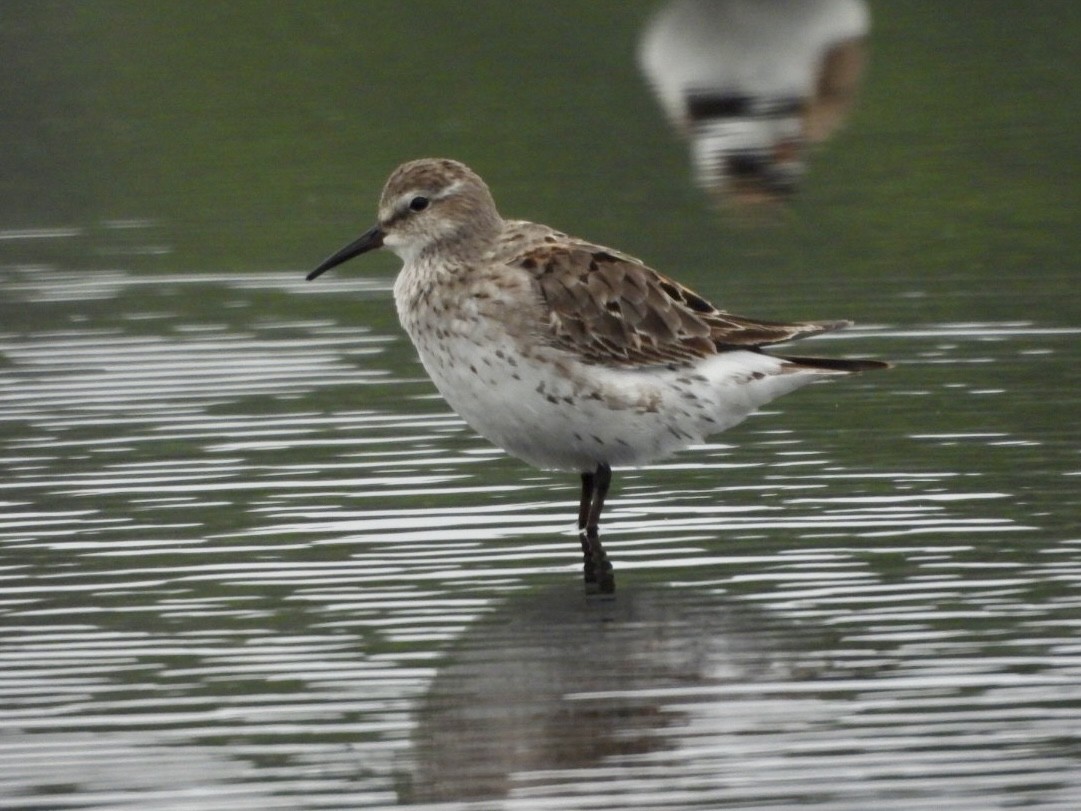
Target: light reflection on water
(554,696)
(221,590)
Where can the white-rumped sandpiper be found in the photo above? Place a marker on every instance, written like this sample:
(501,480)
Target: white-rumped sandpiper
(566,354)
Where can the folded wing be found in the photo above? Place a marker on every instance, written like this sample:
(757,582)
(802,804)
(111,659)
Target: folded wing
(611,309)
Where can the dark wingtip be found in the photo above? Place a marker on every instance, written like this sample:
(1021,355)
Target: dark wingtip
(845,365)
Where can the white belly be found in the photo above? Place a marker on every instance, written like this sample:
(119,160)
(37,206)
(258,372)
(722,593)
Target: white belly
(555,413)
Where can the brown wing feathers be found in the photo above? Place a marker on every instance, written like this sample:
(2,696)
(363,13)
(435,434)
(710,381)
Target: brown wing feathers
(613,309)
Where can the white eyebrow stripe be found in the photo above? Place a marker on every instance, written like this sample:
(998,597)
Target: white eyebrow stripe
(451,189)
(404,200)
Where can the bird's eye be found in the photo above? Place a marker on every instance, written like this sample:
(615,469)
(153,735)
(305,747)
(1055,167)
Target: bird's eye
(419,203)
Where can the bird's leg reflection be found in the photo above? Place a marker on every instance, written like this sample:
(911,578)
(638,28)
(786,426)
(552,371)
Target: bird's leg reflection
(550,686)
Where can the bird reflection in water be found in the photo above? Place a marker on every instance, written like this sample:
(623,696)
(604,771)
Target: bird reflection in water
(753,83)
(553,680)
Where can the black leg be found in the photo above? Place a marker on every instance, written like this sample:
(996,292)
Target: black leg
(588,572)
(598,571)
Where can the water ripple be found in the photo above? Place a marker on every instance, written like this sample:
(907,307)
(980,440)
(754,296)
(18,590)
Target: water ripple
(264,555)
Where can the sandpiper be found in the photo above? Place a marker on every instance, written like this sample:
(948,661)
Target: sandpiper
(566,354)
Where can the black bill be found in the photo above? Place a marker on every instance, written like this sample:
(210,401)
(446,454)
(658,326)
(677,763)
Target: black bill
(368,241)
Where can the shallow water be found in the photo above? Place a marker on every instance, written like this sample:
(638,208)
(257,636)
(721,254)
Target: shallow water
(248,558)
